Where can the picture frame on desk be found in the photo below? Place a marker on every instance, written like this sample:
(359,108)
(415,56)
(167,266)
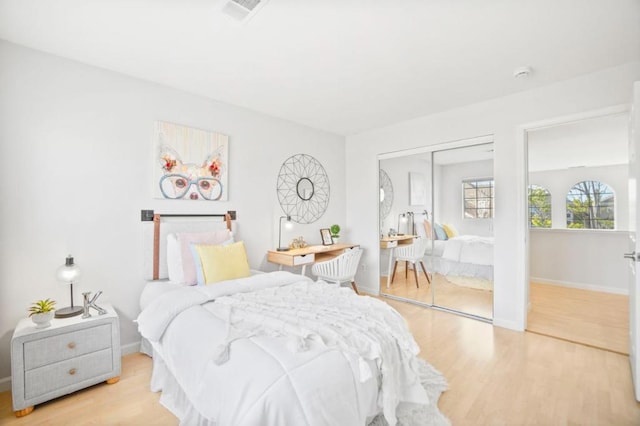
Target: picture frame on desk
(325,234)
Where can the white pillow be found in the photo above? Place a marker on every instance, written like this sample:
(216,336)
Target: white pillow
(174,260)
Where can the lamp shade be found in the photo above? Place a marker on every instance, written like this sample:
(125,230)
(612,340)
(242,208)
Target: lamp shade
(69,272)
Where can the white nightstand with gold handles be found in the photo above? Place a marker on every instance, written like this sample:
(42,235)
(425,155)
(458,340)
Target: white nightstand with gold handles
(72,354)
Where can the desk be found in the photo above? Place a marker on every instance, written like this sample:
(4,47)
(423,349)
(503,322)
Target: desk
(391,243)
(308,255)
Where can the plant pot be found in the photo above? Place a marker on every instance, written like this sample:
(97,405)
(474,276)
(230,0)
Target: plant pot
(42,320)
(335,240)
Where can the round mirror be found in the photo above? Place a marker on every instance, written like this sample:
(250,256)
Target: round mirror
(386,194)
(304,188)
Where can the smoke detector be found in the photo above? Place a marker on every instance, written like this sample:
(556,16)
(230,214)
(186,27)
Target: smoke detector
(522,72)
(242,10)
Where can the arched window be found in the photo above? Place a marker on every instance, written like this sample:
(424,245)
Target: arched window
(539,207)
(590,205)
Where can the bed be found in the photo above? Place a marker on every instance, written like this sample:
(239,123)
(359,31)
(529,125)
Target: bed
(277,348)
(466,260)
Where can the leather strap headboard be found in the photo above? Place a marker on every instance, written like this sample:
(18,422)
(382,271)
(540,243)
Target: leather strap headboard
(189,224)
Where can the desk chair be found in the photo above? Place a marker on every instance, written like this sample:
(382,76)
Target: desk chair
(411,253)
(340,269)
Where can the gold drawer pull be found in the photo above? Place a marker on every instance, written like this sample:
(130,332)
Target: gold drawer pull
(72,371)
(71,345)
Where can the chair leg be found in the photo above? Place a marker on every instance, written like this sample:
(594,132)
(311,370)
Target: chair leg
(406,269)
(425,272)
(415,274)
(395,265)
(355,288)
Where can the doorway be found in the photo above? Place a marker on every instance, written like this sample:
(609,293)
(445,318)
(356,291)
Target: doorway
(441,198)
(578,227)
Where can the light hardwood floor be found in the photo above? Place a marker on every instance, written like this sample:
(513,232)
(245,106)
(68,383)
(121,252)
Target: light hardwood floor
(589,317)
(496,377)
(447,294)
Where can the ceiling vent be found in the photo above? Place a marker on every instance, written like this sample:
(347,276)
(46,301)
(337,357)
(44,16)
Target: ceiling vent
(242,10)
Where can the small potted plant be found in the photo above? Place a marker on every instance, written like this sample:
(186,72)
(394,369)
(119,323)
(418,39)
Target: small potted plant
(335,232)
(42,312)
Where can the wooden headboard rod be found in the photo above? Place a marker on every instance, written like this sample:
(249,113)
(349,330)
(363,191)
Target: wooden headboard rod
(156,234)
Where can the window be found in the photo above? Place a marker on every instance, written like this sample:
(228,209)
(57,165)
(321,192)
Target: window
(539,207)
(590,205)
(478,198)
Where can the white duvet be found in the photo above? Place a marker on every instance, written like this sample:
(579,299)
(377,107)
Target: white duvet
(279,349)
(469,249)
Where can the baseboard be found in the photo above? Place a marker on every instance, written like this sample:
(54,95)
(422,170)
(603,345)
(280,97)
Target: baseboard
(130,348)
(5,384)
(581,286)
(508,324)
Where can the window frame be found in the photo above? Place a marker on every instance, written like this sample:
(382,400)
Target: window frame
(608,206)
(549,200)
(491,198)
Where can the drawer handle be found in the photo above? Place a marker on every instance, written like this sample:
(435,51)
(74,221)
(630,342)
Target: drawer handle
(71,345)
(72,371)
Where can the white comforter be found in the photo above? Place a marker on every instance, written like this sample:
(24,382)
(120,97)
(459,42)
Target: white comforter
(469,249)
(278,348)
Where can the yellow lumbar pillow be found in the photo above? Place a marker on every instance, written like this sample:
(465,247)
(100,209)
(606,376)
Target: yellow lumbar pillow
(220,263)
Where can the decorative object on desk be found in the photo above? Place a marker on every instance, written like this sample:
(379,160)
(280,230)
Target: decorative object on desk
(41,312)
(417,189)
(386,194)
(68,273)
(298,243)
(287,225)
(192,164)
(325,234)
(91,303)
(303,188)
(335,232)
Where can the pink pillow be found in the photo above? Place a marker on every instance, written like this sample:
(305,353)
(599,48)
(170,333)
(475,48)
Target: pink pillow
(186,238)
(427,229)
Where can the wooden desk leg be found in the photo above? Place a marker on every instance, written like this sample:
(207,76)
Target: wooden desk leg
(389,270)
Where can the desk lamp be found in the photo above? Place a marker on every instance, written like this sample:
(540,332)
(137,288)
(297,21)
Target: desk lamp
(68,274)
(287,225)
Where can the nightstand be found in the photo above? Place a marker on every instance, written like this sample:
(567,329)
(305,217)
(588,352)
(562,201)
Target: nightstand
(71,354)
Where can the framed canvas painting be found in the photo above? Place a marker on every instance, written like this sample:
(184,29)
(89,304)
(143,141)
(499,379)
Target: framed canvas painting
(417,189)
(190,164)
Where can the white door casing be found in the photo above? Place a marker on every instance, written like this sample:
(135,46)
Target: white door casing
(634,244)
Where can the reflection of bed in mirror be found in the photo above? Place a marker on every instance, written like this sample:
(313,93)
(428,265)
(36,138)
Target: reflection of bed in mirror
(465,260)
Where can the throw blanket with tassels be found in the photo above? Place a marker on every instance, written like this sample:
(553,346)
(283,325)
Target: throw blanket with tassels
(368,332)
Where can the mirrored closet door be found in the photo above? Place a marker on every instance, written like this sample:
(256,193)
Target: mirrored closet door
(436,228)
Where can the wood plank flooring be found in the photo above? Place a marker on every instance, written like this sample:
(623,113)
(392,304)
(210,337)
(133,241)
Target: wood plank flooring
(496,377)
(445,293)
(589,317)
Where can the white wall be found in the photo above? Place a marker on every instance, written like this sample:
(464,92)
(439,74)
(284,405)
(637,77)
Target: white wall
(76,147)
(448,206)
(398,170)
(505,119)
(588,259)
(559,182)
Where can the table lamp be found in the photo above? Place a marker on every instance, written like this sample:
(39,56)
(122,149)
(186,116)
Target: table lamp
(68,274)
(287,225)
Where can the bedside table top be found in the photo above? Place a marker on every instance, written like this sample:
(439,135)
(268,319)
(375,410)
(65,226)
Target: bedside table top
(26,326)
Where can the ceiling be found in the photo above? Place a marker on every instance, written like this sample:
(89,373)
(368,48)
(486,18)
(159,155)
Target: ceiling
(343,66)
(595,142)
